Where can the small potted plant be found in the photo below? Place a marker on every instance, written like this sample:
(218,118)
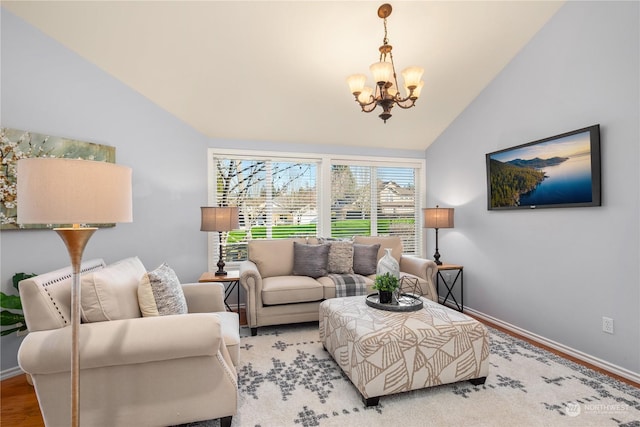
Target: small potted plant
(386,284)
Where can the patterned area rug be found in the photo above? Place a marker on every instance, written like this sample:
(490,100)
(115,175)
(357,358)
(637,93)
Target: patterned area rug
(286,378)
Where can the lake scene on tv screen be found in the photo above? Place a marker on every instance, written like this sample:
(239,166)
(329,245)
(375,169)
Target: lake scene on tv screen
(547,173)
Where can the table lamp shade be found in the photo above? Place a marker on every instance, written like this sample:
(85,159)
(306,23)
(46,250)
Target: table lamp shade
(438,217)
(70,191)
(220,218)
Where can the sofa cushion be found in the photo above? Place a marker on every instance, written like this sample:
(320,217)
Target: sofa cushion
(392,242)
(111,293)
(160,293)
(365,258)
(340,257)
(273,257)
(310,260)
(290,289)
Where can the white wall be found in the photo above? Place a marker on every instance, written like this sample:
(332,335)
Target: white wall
(48,89)
(554,272)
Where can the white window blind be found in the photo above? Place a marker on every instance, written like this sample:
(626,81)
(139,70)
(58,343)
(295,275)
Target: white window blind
(276,199)
(375,200)
(293,196)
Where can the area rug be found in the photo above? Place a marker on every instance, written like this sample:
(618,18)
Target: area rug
(286,378)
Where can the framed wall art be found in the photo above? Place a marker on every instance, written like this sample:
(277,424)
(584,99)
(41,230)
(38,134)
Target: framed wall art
(18,144)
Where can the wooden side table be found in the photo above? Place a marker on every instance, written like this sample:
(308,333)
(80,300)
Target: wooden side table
(450,286)
(232,280)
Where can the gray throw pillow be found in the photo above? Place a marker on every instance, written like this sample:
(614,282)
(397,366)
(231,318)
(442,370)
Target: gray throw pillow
(365,259)
(310,260)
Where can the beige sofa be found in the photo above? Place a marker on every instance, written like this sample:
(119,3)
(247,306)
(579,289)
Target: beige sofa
(134,371)
(278,294)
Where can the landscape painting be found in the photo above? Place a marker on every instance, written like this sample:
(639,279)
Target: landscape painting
(18,144)
(560,171)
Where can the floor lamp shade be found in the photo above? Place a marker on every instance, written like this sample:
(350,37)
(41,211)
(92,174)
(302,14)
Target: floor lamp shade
(70,191)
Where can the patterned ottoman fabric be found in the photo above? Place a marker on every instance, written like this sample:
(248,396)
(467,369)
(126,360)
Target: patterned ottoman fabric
(384,352)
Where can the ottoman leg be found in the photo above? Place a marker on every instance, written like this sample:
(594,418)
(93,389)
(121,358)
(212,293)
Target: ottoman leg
(254,332)
(371,401)
(478,381)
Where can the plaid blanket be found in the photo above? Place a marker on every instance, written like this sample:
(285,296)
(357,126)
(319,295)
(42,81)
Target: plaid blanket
(348,285)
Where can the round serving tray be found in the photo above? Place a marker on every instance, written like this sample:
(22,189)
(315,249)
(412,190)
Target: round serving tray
(407,302)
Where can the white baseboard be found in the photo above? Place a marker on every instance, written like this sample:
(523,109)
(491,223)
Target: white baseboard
(602,364)
(10,373)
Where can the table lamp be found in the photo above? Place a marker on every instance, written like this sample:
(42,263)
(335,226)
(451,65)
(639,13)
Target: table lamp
(438,218)
(70,191)
(220,219)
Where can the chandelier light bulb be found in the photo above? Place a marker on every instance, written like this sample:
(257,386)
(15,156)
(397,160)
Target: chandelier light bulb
(365,95)
(356,83)
(382,72)
(412,76)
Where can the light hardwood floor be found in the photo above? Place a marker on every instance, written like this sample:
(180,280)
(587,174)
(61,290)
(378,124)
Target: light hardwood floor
(20,406)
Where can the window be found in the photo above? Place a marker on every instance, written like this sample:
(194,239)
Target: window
(375,200)
(305,195)
(276,199)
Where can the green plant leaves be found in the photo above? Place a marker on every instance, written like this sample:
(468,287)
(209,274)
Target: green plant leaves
(12,302)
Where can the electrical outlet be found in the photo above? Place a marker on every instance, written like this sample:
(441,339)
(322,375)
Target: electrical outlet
(607,325)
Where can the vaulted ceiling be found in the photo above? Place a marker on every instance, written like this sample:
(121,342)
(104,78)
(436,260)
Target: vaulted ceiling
(276,70)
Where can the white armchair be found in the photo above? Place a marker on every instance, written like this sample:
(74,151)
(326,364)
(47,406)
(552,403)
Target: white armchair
(142,371)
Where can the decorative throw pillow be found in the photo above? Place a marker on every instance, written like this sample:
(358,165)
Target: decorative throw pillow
(310,260)
(340,257)
(160,293)
(365,259)
(110,293)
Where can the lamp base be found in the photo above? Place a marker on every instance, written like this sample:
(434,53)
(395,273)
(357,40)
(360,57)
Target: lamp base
(75,239)
(220,264)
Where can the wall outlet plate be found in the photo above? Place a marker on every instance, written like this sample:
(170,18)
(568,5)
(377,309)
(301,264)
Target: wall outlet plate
(607,325)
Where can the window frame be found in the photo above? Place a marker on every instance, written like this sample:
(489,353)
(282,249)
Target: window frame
(323,182)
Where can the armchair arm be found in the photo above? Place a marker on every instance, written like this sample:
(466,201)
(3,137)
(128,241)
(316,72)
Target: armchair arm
(424,269)
(251,281)
(204,297)
(124,342)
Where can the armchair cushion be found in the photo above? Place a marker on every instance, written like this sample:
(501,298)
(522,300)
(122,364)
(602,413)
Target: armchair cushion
(111,293)
(160,293)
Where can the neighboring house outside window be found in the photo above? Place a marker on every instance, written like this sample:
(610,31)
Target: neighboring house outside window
(281,196)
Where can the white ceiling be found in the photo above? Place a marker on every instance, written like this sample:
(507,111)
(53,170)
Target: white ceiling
(276,70)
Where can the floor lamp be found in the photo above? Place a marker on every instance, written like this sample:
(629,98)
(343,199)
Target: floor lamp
(219,218)
(438,218)
(69,191)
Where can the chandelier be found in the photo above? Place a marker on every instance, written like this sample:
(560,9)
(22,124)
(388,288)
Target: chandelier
(385,93)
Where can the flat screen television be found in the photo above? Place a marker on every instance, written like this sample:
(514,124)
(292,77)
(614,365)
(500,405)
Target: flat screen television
(556,172)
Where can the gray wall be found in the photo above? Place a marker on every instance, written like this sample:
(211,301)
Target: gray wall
(48,89)
(554,272)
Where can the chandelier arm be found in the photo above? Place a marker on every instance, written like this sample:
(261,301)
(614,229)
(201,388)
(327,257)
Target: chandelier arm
(406,106)
(367,108)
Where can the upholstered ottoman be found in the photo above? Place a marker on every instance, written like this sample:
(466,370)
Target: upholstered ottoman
(384,352)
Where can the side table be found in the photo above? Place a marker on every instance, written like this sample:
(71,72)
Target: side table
(450,285)
(232,280)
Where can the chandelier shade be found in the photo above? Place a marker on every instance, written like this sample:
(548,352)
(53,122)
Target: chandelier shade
(385,91)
